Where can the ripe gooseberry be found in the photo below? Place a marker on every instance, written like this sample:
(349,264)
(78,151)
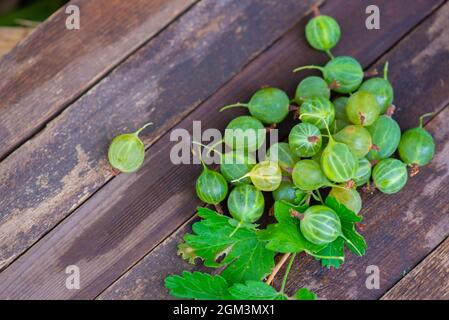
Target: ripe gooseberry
(320,225)
(246,204)
(289,193)
(363,173)
(362,108)
(245,133)
(312,87)
(417,146)
(357,138)
(323,33)
(307,176)
(266,176)
(385,134)
(211,187)
(343,74)
(381,88)
(390,175)
(282,154)
(305,140)
(269,105)
(127,152)
(317,111)
(348,197)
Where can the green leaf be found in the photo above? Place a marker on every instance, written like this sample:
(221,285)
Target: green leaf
(333,249)
(243,256)
(197,285)
(344,213)
(285,236)
(305,294)
(255,290)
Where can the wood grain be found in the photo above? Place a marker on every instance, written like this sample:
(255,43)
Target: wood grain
(57,170)
(130,215)
(11,36)
(428,281)
(54,65)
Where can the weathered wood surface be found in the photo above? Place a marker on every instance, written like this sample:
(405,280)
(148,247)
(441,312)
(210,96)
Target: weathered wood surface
(53,173)
(10,37)
(428,281)
(130,215)
(53,66)
(145,280)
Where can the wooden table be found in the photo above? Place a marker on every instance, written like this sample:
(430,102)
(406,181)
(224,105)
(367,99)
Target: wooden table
(64,94)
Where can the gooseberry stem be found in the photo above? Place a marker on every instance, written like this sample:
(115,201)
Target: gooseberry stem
(350,242)
(421,119)
(309,68)
(235,230)
(141,129)
(319,195)
(210,149)
(287,271)
(277,267)
(329,53)
(386,70)
(322,119)
(235,105)
(323,257)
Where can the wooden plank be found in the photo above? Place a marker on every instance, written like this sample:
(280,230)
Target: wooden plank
(11,36)
(53,173)
(428,281)
(54,65)
(134,212)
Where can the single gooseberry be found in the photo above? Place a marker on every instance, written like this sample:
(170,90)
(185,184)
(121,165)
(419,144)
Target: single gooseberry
(363,173)
(390,175)
(127,152)
(289,193)
(235,164)
(269,105)
(381,88)
(312,87)
(266,176)
(282,154)
(343,74)
(385,134)
(357,138)
(338,162)
(362,108)
(417,146)
(317,111)
(307,176)
(245,203)
(211,187)
(348,197)
(245,133)
(323,33)
(305,140)
(320,225)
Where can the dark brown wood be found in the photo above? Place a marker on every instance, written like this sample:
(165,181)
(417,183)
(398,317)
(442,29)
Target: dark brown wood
(54,65)
(135,212)
(53,173)
(428,281)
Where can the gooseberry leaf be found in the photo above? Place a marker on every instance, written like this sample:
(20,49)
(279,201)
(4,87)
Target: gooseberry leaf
(197,285)
(285,236)
(343,212)
(305,294)
(333,249)
(187,252)
(255,290)
(243,256)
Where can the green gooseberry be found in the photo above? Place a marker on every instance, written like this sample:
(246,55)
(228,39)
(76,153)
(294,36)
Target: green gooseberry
(362,108)
(235,164)
(323,33)
(340,108)
(363,173)
(127,152)
(381,88)
(357,138)
(312,87)
(282,154)
(317,111)
(417,146)
(348,197)
(386,135)
(245,133)
(289,193)
(307,176)
(211,187)
(343,74)
(305,140)
(269,105)
(390,175)
(246,204)
(320,225)
(266,176)
(338,162)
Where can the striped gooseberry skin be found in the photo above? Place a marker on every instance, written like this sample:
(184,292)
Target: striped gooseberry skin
(245,133)
(307,175)
(357,138)
(386,135)
(246,203)
(269,105)
(382,90)
(282,154)
(390,175)
(235,164)
(340,108)
(362,108)
(288,192)
(126,153)
(348,197)
(305,140)
(266,175)
(317,111)
(338,162)
(320,225)
(312,87)
(323,32)
(344,73)
(363,173)
(211,187)
(417,147)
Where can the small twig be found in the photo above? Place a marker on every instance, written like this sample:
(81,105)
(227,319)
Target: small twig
(277,268)
(219,208)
